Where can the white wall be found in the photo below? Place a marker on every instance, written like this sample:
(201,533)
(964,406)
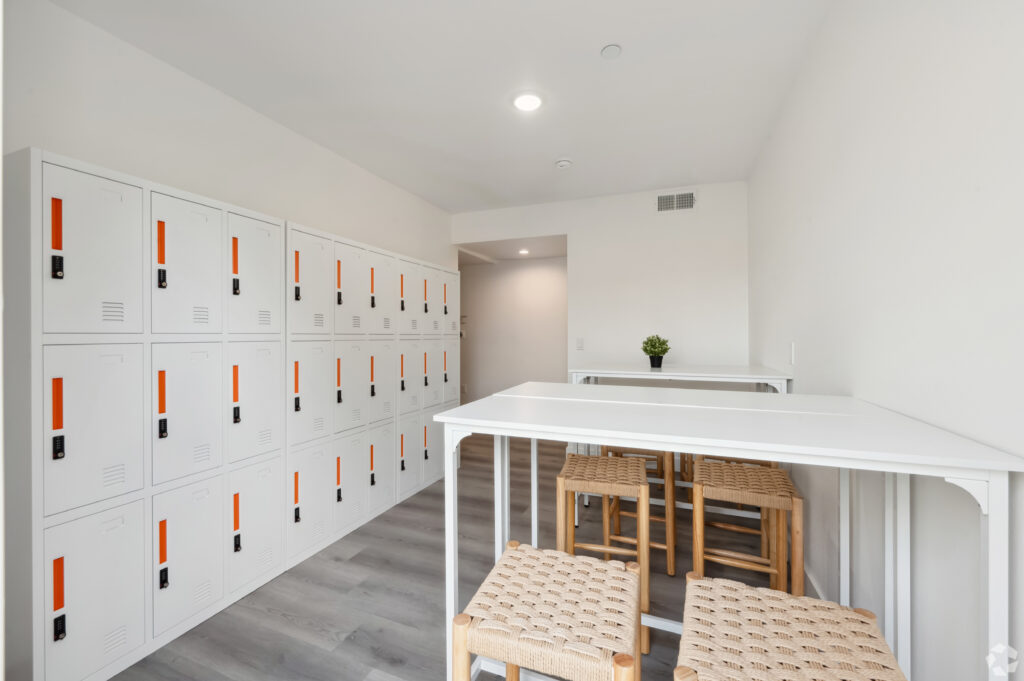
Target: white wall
(515,322)
(886,239)
(74,89)
(634,271)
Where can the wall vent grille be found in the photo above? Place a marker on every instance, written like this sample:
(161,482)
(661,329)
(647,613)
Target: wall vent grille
(683,201)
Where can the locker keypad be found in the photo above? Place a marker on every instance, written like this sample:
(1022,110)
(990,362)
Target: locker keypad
(339,396)
(403,464)
(238,415)
(426,454)
(341,301)
(373,390)
(403,384)
(236,290)
(57,266)
(446,377)
(403,305)
(298,518)
(373,479)
(162,430)
(165,580)
(161,278)
(298,294)
(238,543)
(298,407)
(60,630)
(58,446)
(373,301)
(339,494)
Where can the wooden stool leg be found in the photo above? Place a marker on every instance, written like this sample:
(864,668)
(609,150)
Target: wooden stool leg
(782,540)
(460,651)
(798,546)
(570,527)
(605,520)
(511,672)
(684,674)
(617,516)
(670,513)
(643,545)
(625,668)
(698,530)
(764,534)
(773,545)
(560,513)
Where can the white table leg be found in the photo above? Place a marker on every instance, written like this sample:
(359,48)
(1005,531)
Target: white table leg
(903,592)
(844,536)
(998,572)
(451,540)
(889,626)
(534,524)
(501,495)
(506,478)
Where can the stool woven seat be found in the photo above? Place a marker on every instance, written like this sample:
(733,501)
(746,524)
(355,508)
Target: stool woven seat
(753,485)
(556,614)
(601,475)
(735,632)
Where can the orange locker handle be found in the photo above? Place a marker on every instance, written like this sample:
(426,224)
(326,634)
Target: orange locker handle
(56,237)
(60,622)
(164,576)
(341,300)
(337,473)
(295,493)
(373,298)
(298,293)
(161,399)
(238,537)
(401,291)
(426,452)
(401,449)
(237,410)
(161,255)
(57,397)
(236,289)
(373,477)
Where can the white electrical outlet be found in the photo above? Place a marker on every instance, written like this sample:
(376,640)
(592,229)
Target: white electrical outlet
(579,343)
(792,353)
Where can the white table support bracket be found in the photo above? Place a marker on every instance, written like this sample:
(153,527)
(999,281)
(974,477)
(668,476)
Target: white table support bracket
(976,488)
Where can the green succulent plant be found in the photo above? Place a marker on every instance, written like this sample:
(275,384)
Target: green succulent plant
(655,346)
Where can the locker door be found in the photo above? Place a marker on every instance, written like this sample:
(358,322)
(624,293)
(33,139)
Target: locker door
(92,448)
(311,491)
(254,539)
(434,301)
(92,253)
(450,365)
(186,241)
(433,435)
(350,394)
(351,481)
(410,311)
(188,557)
(381,401)
(433,373)
(253,413)
(310,389)
(410,381)
(383,298)
(187,405)
(254,275)
(383,465)
(450,303)
(410,454)
(93,591)
(351,294)
(310,284)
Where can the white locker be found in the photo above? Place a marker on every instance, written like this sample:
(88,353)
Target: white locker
(312,492)
(187,404)
(187,239)
(254,281)
(433,453)
(351,481)
(92,253)
(311,390)
(450,303)
(410,454)
(352,290)
(383,466)
(433,293)
(383,299)
(433,373)
(410,308)
(253,415)
(380,403)
(410,381)
(255,520)
(450,366)
(350,392)
(188,557)
(93,591)
(310,305)
(93,423)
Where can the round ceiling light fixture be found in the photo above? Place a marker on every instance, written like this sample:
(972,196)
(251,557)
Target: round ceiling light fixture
(563,163)
(527,102)
(611,51)
(524,251)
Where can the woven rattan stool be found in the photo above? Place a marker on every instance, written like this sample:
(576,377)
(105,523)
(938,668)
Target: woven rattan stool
(608,477)
(666,466)
(735,632)
(771,490)
(766,538)
(574,617)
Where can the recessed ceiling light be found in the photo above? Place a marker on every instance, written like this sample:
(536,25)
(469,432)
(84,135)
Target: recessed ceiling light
(611,51)
(524,251)
(563,163)
(527,102)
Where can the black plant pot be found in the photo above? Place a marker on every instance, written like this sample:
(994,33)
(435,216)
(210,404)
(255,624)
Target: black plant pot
(655,361)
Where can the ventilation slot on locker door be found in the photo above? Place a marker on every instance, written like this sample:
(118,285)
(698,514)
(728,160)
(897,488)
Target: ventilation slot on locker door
(202,593)
(263,317)
(111,311)
(265,558)
(264,437)
(318,320)
(200,314)
(201,453)
(114,475)
(318,424)
(115,639)
(357,321)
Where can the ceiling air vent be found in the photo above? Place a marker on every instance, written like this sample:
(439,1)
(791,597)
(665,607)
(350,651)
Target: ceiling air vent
(676,201)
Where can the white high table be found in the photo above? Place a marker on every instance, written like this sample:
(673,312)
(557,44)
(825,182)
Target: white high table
(818,430)
(750,375)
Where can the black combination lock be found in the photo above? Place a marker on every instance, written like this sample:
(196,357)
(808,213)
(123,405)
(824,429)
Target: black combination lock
(297,407)
(373,390)
(425,307)
(298,293)
(403,464)
(238,415)
(446,377)
(57,266)
(402,305)
(373,479)
(165,579)
(298,518)
(426,381)
(58,446)
(373,301)
(339,494)
(403,384)
(161,278)
(339,396)
(60,630)
(236,290)
(446,309)
(162,429)
(238,543)
(340,299)
(426,454)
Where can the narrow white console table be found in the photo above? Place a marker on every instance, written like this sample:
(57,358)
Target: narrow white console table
(840,432)
(750,375)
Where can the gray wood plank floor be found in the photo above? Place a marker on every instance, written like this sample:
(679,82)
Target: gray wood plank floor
(370,607)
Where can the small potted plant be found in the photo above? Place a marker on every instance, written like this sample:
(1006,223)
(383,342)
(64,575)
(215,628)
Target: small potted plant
(655,348)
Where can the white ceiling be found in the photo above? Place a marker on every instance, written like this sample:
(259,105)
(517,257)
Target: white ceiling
(419,92)
(508,249)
